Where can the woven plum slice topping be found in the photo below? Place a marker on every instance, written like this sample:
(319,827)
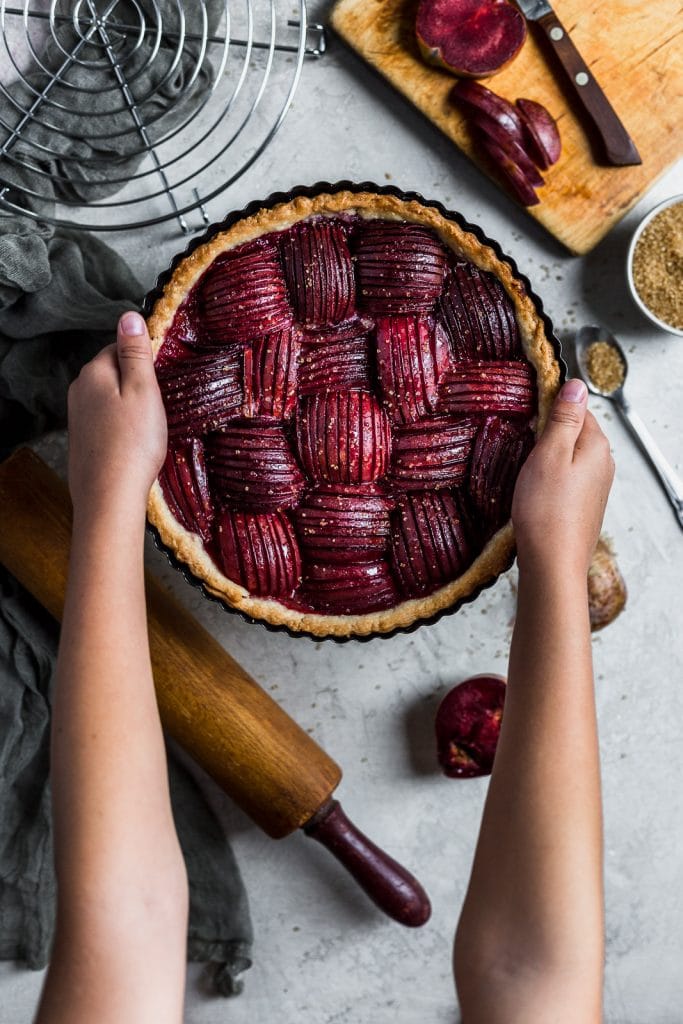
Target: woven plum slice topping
(488,386)
(185,487)
(343,437)
(344,525)
(203,393)
(412,354)
(432,453)
(400,268)
(252,467)
(319,272)
(244,294)
(429,540)
(479,316)
(351,589)
(260,552)
(337,360)
(270,377)
(497,456)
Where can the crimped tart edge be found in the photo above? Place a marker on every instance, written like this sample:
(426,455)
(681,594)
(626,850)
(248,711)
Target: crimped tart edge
(495,557)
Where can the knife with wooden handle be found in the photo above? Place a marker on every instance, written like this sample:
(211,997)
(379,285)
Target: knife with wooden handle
(617,144)
(271,768)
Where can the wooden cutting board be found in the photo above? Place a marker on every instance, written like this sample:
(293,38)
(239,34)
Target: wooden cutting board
(635,50)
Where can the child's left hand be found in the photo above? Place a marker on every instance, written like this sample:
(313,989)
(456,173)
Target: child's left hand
(117,422)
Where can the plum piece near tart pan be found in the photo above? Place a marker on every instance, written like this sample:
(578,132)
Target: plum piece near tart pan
(346,432)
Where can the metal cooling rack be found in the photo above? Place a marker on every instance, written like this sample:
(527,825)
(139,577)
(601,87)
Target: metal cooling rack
(103,71)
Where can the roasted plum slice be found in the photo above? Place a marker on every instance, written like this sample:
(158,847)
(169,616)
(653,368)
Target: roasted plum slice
(243,294)
(499,450)
(202,393)
(412,353)
(344,524)
(467,726)
(479,316)
(400,268)
(431,453)
(343,437)
(429,540)
(488,386)
(319,272)
(542,138)
(349,589)
(259,550)
(336,360)
(470,38)
(270,378)
(252,467)
(185,486)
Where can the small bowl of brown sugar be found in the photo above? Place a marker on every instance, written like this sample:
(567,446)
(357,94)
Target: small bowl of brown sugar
(655,265)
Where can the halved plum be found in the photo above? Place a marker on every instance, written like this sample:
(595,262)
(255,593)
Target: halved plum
(488,386)
(252,467)
(479,315)
(467,726)
(343,437)
(337,359)
(243,294)
(499,451)
(344,524)
(412,354)
(429,540)
(202,393)
(319,272)
(349,589)
(271,370)
(185,486)
(400,268)
(259,551)
(471,38)
(431,453)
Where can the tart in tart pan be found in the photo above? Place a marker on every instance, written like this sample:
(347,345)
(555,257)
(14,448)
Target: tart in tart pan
(353,377)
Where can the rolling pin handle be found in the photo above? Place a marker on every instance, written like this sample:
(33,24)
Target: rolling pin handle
(390,886)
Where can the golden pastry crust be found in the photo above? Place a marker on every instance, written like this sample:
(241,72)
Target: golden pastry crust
(495,557)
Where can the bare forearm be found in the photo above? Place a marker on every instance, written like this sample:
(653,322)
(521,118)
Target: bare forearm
(535,898)
(109,769)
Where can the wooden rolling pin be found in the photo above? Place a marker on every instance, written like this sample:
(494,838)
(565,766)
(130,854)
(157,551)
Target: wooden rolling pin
(207,702)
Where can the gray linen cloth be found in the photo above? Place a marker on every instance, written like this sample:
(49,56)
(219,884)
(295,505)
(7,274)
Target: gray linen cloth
(61,293)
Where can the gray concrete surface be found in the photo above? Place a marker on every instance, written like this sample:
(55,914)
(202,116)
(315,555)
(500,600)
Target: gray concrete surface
(322,954)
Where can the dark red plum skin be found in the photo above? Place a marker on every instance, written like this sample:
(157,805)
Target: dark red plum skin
(468,726)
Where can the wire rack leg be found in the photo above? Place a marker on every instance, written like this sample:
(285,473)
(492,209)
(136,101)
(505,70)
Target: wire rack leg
(135,113)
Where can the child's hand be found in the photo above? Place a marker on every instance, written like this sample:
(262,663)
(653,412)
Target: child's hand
(562,488)
(117,423)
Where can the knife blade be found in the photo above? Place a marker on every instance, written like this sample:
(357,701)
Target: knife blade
(617,144)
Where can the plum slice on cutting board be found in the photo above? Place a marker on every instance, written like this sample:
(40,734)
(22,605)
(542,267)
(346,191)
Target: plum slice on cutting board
(470,38)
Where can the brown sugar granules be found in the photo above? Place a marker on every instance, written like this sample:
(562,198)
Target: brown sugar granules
(605,366)
(658,266)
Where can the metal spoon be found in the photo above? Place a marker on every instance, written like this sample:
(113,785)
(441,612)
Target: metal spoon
(669,479)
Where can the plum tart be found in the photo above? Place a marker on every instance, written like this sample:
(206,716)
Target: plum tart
(352,382)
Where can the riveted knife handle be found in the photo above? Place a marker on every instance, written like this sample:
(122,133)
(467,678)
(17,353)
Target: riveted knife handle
(618,145)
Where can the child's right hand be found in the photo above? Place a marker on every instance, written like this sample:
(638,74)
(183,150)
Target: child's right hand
(562,488)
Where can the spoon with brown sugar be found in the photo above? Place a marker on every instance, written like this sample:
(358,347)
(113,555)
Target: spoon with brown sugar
(603,366)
